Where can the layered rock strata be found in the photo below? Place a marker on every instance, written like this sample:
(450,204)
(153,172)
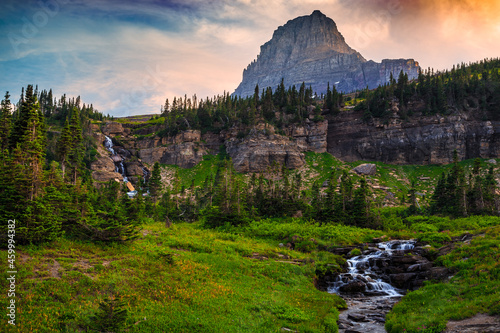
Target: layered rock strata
(422,140)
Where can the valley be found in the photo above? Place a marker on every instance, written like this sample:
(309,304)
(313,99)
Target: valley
(326,194)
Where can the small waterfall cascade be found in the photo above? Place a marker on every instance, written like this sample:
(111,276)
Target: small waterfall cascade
(363,272)
(117,159)
(146,174)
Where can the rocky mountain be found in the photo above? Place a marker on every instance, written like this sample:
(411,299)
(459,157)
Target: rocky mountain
(310,49)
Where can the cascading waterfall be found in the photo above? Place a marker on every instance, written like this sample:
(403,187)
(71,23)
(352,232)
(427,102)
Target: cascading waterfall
(118,160)
(145,172)
(361,271)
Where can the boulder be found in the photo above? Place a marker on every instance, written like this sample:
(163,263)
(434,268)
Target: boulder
(438,273)
(134,168)
(103,163)
(401,280)
(356,317)
(366,169)
(353,287)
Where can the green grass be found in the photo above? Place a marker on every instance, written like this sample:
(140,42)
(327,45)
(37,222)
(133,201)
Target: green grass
(475,288)
(213,284)
(326,234)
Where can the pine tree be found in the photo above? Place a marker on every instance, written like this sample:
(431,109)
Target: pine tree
(22,115)
(111,316)
(64,147)
(76,152)
(361,205)
(33,142)
(5,122)
(155,181)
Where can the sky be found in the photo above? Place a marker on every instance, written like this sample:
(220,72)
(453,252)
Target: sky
(127,56)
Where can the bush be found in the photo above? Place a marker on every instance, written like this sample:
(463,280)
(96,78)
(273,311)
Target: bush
(434,239)
(110,317)
(213,217)
(330,322)
(327,269)
(306,246)
(393,224)
(424,227)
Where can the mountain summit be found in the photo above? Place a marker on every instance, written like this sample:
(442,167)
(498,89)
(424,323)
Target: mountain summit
(311,49)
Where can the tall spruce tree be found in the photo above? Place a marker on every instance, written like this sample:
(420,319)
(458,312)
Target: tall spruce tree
(76,153)
(5,121)
(64,147)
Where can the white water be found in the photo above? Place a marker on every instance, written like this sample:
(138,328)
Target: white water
(119,166)
(145,172)
(359,269)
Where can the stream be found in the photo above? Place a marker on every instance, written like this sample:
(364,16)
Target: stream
(366,290)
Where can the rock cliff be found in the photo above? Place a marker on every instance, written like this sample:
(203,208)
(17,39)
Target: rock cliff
(422,140)
(418,140)
(258,149)
(310,49)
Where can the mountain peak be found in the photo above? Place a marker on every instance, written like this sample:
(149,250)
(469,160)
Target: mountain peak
(317,13)
(311,49)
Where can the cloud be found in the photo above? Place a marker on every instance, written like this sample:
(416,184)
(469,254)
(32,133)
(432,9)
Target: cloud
(127,58)
(438,33)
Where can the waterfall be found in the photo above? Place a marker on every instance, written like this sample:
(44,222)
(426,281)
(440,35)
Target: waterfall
(362,276)
(118,160)
(145,173)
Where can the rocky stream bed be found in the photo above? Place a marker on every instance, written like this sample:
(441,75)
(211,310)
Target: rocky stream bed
(374,279)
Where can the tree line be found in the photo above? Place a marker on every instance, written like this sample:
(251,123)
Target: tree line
(473,86)
(279,107)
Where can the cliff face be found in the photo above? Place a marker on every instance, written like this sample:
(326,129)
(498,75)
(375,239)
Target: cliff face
(310,49)
(426,140)
(259,149)
(422,140)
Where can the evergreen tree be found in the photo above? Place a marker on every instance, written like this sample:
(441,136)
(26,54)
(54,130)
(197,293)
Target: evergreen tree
(76,153)
(5,121)
(64,147)
(33,143)
(155,181)
(361,213)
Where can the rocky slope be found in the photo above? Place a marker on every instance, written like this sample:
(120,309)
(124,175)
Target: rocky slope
(310,49)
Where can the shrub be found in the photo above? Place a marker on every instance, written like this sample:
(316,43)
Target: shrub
(424,227)
(330,322)
(305,246)
(110,317)
(213,217)
(355,252)
(434,239)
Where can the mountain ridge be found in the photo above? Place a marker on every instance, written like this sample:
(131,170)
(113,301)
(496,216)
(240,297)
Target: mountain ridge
(312,50)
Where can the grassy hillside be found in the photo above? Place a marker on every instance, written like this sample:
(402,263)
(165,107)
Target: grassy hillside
(190,279)
(389,185)
(181,279)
